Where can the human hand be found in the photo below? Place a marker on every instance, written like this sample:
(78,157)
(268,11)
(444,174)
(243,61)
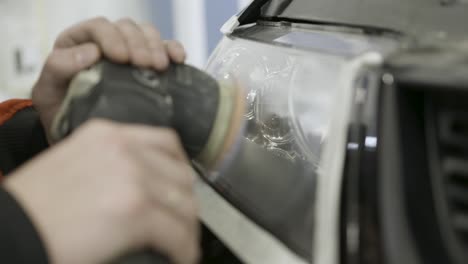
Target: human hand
(111,189)
(82,45)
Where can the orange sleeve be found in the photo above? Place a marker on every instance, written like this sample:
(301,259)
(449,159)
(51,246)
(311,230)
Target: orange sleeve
(9,108)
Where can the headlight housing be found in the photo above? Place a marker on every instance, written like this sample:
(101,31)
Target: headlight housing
(300,87)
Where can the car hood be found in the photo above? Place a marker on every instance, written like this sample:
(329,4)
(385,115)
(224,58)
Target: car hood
(418,18)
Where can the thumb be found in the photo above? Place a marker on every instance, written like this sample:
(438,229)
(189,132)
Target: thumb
(63,64)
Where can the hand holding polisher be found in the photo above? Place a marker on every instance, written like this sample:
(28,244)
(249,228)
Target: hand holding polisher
(206,114)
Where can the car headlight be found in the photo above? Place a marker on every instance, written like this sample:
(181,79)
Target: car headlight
(300,83)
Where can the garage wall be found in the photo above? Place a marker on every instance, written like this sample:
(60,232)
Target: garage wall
(20,52)
(29,27)
(58,14)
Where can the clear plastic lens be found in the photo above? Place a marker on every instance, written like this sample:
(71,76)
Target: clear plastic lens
(288,94)
(272,116)
(291,91)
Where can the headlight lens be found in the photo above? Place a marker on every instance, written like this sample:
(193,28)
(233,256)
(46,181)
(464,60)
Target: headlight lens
(292,77)
(289,94)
